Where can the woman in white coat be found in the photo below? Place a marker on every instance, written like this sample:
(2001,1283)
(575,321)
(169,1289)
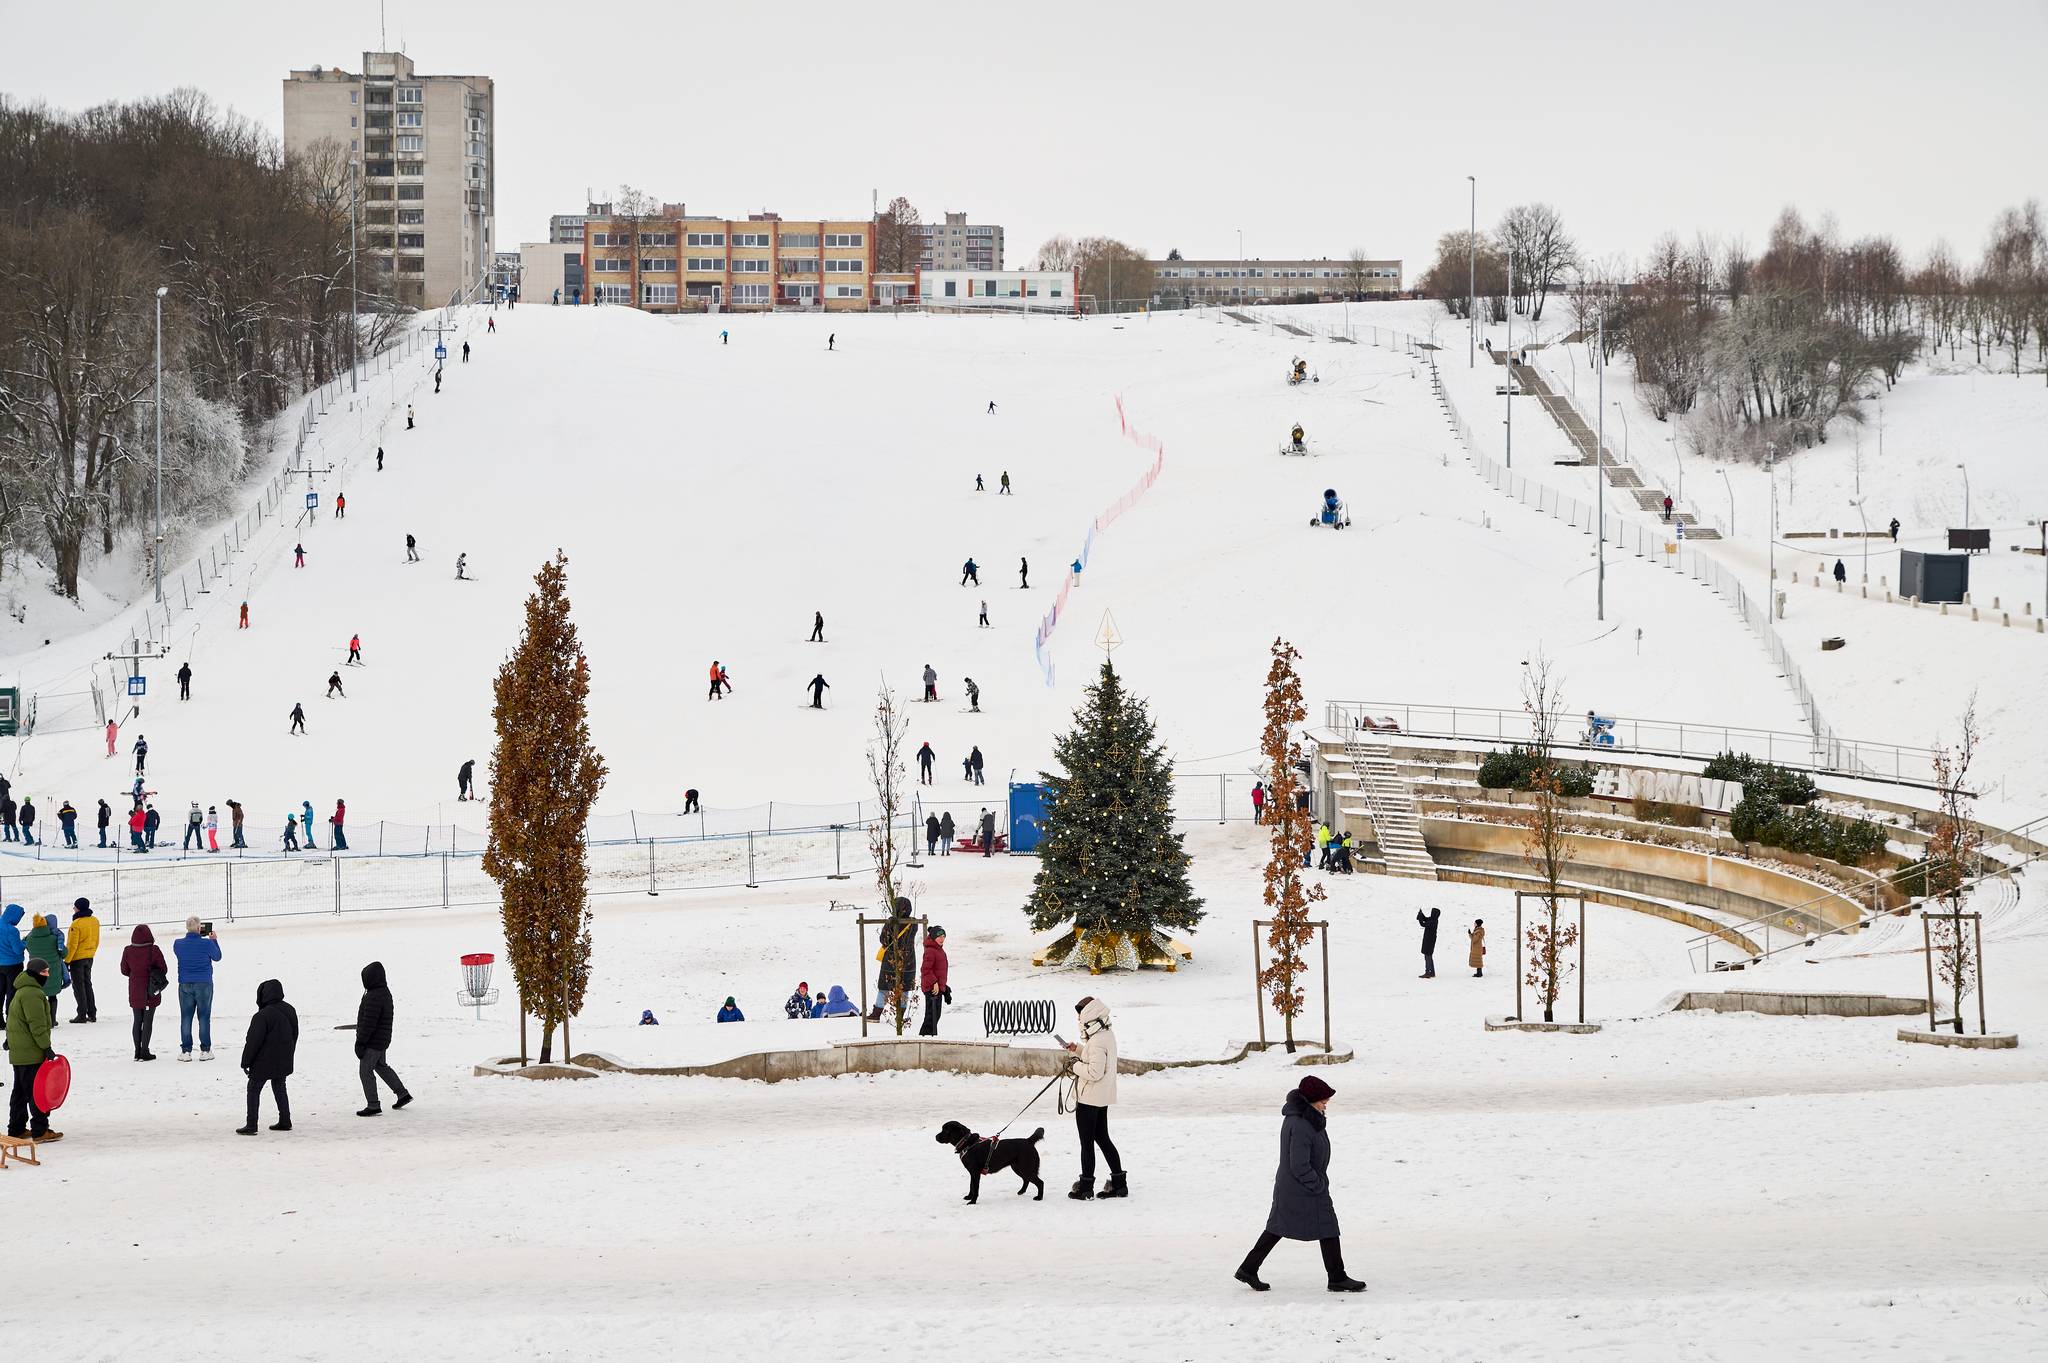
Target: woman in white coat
(1094,1070)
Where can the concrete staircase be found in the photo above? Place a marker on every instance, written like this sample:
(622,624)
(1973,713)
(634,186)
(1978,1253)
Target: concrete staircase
(1396,821)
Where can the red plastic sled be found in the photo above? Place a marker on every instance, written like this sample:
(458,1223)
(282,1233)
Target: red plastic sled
(53,1083)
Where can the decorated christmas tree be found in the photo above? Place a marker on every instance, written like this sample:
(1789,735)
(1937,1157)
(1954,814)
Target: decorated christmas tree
(1110,864)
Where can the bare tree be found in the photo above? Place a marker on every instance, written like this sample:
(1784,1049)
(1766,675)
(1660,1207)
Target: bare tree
(1356,276)
(1058,253)
(899,238)
(885,778)
(1545,254)
(635,214)
(1547,939)
(1952,858)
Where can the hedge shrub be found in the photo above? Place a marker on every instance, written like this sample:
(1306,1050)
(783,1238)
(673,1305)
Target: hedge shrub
(1767,778)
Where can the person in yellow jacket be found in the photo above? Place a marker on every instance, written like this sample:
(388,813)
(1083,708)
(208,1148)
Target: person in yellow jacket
(81,944)
(1322,847)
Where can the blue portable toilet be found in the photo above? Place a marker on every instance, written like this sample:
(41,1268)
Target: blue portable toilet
(1027,816)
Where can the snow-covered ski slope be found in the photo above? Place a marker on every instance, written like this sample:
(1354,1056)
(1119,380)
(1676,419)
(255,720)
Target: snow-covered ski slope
(712,496)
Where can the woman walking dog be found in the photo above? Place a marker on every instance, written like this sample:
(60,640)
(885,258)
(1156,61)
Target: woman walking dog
(1094,1070)
(1302,1209)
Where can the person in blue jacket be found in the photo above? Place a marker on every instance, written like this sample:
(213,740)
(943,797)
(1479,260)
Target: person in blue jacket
(817,1005)
(306,814)
(10,951)
(838,1005)
(648,1019)
(731,1012)
(196,951)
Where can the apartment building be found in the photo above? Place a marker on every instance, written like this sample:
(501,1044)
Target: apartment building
(674,261)
(1178,283)
(956,244)
(998,290)
(568,227)
(425,149)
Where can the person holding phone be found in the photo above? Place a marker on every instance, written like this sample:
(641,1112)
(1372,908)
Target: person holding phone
(196,951)
(1094,1070)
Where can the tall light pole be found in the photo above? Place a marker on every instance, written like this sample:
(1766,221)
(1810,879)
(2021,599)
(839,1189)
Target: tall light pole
(1600,480)
(1771,467)
(1510,399)
(1863,521)
(1731,502)
(1679,459)
(158,555)
(1472,280)
(1966,497)
(354,280)
(1627,437)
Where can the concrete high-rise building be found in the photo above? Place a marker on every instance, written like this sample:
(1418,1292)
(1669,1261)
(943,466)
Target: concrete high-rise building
(955,244)
(424,144)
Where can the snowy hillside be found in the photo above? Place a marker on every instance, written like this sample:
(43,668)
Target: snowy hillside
(712,497)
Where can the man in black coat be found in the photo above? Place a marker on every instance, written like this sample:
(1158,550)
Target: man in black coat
(267,1054)
(988,831)
(106,817)
(1429,922)
(373,1038)
(924,764)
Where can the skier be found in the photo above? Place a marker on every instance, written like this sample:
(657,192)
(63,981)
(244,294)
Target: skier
(721,681)
(818,627)
(1428,922)
(212,828)
(408,416)
(67,819)
(463,777)
(334,686)
(973,697)
(235,822)
(988,829)
(437,378)
(818,687)
(946,827)
(355,650)
(1004,489)
(979,486)
(412,550)
(114,729)
(970,571)
(245,617)
(340,505)
(185,681)
(725,338)
(991,407)
(1841,573)
(298,556)
(138,823)
(339,820)
(690,805)
(1475,955)
(306,816)
(291,833)
(465,352)
(984,614)
(141,752)
(195,820)
(1302,1209)
(832,341)
(925,758)
(931,683)
(1023,569)
(461,564)
(490,325)
(28,821)
(106,817)
(974,765)
(298,718)
(151,821)
(380,459)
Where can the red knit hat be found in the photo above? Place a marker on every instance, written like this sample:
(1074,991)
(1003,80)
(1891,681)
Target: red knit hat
(1314,1089)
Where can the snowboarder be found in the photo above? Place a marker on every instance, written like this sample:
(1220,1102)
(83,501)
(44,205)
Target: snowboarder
(106,817)
(412,550)
(306,817)
(1258,802)
(974,765)
(461,567)
(338,820)
(298,718)
(991,407)
(298,556)
(690,805)
(340,505)
(1475,956)
(973,697)
(1094,1070)
(235,822)
(818,687)
(931,979)
(931,683)
(463,777)
(1302,1209)
(1428,922)
(373,1039)
(245,617)
(1023,570)
(1895,530)
(721,681)
(946,827)
(185,681)
(818,627)
(380,459)
(982,623)
(408,416)
(334,686)
(988,823)
(725,338)
(267,1055)
(1841,573)
(925,758)
(465,352)
(970,571)
(141,752)
(355,650)
(1004,489)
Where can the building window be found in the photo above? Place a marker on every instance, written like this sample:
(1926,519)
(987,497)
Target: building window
(753,266)
(1056,293)
(952,289)
(412,168)
(799,266)
(750,293)
(409,119)
(844,266)
(706,264)
(409,142)
(706,239)
(799,241)
(412,191)
(750,238)
(658,295)
(658,239)
(606,265)
(800,292)
(847,291)
(843,239)
(658,265)
(615,293)
(411,265)
(409,94)
(414,240)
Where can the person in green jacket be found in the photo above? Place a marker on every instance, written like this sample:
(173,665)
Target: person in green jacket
(44,941)
(28,1046)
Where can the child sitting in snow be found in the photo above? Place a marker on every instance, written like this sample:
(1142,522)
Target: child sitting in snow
(799,1005)
(731,1012)
(648,1019)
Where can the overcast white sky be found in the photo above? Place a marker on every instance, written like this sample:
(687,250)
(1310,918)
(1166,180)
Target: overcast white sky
(1311,127)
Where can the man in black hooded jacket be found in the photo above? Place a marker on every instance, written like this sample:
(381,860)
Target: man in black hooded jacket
(373,1038)
(267,1054)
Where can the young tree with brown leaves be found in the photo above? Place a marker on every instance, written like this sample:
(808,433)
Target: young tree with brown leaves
(885,775)
(545,776)
(1292,837)
(1952,855)
(1549,851)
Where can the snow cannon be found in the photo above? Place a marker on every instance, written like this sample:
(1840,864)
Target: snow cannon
(1334,513)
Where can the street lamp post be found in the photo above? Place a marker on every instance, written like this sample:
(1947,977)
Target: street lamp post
(1731,502)
(158,555)
(1771,467)
(1472,280)
(1966,496)
(1863,521)
(1600,484)
(354,280)
(1627,437)
(1510,399)
(1678,459)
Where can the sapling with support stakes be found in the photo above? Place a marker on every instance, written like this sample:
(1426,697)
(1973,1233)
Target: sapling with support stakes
(1291,838)
(1549,850)
(1954,939)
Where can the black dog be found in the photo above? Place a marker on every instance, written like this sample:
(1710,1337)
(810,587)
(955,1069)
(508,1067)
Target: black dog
(982,1156)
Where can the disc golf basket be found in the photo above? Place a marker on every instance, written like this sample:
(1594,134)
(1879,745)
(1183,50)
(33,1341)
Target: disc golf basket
(476,988)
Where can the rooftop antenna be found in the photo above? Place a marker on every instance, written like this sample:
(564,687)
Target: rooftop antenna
(381,39)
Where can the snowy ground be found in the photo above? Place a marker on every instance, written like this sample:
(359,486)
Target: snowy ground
(1694,1186)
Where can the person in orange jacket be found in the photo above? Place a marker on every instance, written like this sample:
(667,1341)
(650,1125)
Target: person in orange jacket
(721,681)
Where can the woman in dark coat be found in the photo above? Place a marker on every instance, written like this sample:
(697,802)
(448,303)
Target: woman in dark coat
(267,1054)
(1302,1209)
(142,961)
(898,972)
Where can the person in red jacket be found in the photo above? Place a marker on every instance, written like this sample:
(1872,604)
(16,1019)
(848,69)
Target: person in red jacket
(1258,802)
(136,823)
(339,820)
(141,959)
(931,979)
